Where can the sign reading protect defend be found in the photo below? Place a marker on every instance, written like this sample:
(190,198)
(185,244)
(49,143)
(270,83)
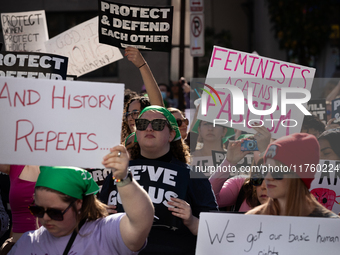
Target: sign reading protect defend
(143,27)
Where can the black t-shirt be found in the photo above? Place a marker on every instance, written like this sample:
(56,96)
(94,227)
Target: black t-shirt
(163,240)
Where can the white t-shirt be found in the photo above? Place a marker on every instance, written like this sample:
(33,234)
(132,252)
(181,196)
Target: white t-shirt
(96,237)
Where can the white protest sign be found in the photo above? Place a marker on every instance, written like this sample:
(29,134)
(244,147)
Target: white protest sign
(81,45)
(56,123)
(24,31)
(223,233)
(258,77)
(326,184)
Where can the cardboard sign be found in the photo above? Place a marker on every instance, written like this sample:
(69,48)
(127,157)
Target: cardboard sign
(258,77)
(143,27)
(81,45)
(317,107)
(223,233)
(161,181)
(336,108)
(33,65)
(326,184)
(59,123)
(24,31)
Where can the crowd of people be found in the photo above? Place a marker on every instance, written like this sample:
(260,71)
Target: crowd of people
(135,212)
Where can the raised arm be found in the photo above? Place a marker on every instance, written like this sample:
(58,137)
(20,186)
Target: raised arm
(136,224)
(150,83)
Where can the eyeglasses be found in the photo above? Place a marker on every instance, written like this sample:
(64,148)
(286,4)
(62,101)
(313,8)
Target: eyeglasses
(157,124)
(180,122)
(54,214)
(134,114)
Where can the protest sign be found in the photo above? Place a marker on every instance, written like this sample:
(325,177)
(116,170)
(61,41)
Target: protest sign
(317,107)
(24,31)
(81,45)
(53,123)
(143,27)
(33,65)
(326,184)
(336,108)
(222,233)
(255,85)
(161,180)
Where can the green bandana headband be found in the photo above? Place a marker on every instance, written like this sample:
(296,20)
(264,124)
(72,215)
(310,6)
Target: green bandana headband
(230,131)
(127,138)
(72,181)
(168,115)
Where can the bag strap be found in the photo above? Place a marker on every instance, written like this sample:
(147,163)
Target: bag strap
(74,234)
(239,200)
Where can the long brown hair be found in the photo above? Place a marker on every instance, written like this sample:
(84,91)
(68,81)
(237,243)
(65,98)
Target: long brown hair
(144,102)
(299,200)
(178,148)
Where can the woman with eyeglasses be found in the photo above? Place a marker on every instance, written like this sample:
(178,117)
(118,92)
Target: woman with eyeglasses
(138,103)
(158,138)
(74,221)
(288,177)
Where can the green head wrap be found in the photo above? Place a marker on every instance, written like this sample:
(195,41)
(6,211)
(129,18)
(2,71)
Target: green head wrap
(230,131)
(168,115)
(72,181)
(127,138)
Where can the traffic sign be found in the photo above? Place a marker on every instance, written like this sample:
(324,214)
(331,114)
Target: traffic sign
(196,5)
(197,35)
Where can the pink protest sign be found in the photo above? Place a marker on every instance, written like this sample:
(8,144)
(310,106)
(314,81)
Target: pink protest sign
(250,88)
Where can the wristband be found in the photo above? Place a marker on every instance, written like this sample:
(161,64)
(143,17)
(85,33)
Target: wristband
(123,182)
(142,65)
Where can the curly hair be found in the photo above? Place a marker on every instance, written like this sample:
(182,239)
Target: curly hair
(144,102)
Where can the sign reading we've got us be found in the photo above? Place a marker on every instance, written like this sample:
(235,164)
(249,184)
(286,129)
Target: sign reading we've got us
(143,27)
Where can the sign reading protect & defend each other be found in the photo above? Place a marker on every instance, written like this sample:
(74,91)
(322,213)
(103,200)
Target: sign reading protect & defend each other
(143,27)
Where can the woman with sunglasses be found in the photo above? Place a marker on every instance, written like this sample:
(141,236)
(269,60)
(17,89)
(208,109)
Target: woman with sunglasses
(288,188)
(74,221)
(138,103)
(182,122)
(158,138)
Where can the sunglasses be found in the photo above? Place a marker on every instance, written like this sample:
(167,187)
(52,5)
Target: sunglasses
(156,124)
(134,114)
(180,122)
(54,214)
(257,179)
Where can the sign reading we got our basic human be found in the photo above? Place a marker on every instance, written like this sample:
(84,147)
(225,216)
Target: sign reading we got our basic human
(248,88)
(223,233)
(57,122)
(143,27)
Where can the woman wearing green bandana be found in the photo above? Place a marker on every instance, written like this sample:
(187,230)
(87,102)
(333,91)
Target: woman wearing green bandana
(159,139)
(67,208)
